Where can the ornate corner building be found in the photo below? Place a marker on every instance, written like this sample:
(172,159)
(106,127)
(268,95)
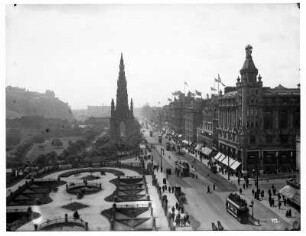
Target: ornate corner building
(123,126)
(258,125)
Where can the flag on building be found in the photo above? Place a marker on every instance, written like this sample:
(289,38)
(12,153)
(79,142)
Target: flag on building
(177,93)
(219,79)
(213,89)
(169,100)
(198,93)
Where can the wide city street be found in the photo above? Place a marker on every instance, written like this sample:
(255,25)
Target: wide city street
(206,208)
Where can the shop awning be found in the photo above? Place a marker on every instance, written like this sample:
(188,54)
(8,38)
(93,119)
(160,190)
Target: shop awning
(292,194)
(288,191)
(206,151)
(217,156)
(221,157)
(185,142)
(231,161)
(235,165)
(198,147)
(225,161)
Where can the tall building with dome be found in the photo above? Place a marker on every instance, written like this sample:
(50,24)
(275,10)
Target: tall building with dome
(258,125)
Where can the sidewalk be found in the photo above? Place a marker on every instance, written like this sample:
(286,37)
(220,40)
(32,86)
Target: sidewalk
(248,193)
(172,201)
(158,212)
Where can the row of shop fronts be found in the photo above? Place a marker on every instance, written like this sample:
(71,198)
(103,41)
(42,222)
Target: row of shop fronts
(264,161)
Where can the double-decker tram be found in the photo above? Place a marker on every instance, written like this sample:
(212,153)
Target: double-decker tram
(237,207)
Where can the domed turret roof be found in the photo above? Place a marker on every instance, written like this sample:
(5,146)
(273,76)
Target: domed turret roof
(248,64)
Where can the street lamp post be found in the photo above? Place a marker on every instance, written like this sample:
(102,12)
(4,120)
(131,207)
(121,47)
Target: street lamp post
(252,205)
(161,162)
(228,168)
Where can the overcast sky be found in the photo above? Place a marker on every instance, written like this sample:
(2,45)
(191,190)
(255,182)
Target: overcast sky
(74,50)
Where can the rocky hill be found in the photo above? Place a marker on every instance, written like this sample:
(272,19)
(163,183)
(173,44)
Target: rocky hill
(21,102)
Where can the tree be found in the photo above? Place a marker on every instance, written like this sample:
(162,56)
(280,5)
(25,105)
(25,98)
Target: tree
(56,142)
(41,160)
(51,157)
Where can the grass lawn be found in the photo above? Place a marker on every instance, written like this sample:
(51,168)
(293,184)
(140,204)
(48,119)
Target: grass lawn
(74,206)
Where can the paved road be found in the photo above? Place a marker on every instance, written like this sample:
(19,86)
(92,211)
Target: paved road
(208,208)
(222,184)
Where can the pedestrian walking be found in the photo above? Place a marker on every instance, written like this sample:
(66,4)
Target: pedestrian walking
(253,192)
(214,186)
(240,191)
(279,205)
(262,193)
(285,201)
(208,189)
(269,192)
(274,191)
(243,185)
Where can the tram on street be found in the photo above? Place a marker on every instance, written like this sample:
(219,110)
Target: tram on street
(237,207)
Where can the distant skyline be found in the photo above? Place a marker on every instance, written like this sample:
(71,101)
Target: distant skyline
(74,50)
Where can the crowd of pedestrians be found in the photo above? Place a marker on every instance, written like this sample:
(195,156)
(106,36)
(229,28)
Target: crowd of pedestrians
(178,216)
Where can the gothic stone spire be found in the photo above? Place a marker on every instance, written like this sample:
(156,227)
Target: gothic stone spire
(122,106)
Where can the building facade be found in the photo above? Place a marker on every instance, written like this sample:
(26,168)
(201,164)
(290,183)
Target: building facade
(177,113)
(258,125)
(207,133)
(193,119)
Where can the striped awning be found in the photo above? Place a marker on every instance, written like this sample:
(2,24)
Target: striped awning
(216,157)
(225,160)
(231,161)
(235,165)
(221,157)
